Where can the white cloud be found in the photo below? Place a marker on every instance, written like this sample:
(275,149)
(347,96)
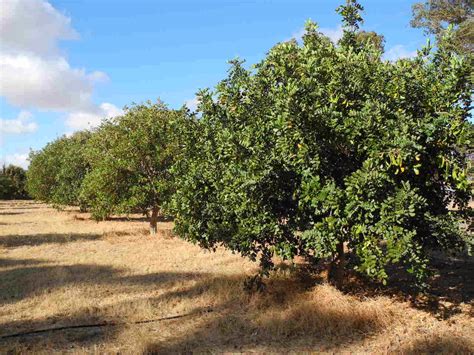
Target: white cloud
(48,84)
(98,77)
(34,74)
(192,103)
(399,52)
(33,26)
(21,124)
(299,34)
(89,119)
(15,159)
(334,34)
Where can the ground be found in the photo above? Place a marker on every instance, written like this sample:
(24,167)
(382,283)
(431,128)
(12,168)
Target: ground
(144,294)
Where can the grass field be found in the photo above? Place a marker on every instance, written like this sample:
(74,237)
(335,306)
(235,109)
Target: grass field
(62,269)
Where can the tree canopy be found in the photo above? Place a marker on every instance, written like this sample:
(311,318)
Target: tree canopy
(323,147)
(435,15)
(56,172)
(12,183)
(130,156)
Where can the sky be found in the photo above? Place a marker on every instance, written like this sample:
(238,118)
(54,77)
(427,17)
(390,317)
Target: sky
(67,64)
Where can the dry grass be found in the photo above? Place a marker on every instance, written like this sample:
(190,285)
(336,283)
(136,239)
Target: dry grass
(60,268)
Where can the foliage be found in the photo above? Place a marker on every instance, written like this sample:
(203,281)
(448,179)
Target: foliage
(435,15)
(56,172)
(375,39)
(12,183)
(321,146)
(353,36)
(130,157)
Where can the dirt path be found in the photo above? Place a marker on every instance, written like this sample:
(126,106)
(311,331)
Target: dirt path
(59,269)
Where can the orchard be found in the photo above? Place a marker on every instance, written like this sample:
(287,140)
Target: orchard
(325,151)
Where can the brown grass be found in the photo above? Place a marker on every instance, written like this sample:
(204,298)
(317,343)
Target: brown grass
(60,268)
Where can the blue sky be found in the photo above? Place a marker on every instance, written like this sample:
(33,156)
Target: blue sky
(64,64)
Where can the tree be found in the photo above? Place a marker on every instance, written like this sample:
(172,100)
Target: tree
(73,168)
(435,15)
(56,172)
(12,183)
(6,188)
(373,38)
(470,157)
(322,148)
(42,172)
(130,158)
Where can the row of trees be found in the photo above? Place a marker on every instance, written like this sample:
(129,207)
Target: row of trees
(121,167)
(320,150)
(12,183)
(56,172)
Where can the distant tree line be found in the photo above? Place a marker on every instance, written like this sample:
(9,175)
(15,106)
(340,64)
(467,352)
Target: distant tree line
(322,150)
(12,183)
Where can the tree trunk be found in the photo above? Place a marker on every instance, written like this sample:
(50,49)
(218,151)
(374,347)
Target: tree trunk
(153,220)
(336,268)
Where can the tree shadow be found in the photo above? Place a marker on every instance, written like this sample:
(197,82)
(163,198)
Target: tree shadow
(32,208)
(4,262)
(288,316)
(20,283)
(454,278)
(278,320)
(18,240)
(17,223)
(11,213)
(450,286)
(446,344)
(219,316)
(23,207)
(57,340)
(127,219)
(137,219)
